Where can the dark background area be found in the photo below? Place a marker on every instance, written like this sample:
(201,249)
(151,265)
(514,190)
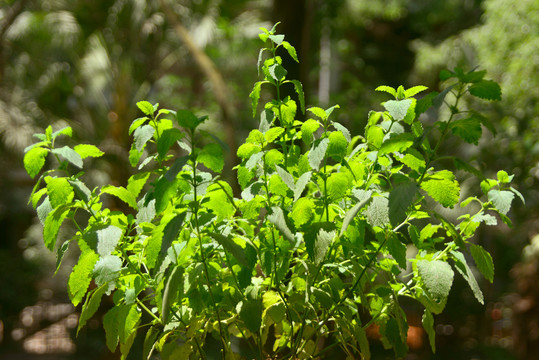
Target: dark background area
(87,62)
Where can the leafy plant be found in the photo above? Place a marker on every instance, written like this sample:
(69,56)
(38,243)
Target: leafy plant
(331,230)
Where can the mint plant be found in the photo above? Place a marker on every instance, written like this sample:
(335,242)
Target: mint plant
(331,232)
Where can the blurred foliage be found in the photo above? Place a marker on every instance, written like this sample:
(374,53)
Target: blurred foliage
(86,63)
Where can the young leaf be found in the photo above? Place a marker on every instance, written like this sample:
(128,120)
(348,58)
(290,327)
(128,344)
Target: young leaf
(211,156)
(255,95)
(301,183)
(337,145)
(52,225)
(443,188)
(87,150)
(501,199)
(272,134)
(398,108)
(486,89)
(483,260)
(34,160)
(307,130)
(219,195)
(351,214)
(291,50)
(136,123)
(277,218)
(399,142)
(107,270)
(286,177)
(80,277)
(301,96)
(337,186)
(387,89)
(378,212)
(91,305)
(168,138)
(462,267)
(187,119)
(68,131)
(142,135)
(145,107)
(302,212)
(318,152)
(414,90)
(69,154)
(105,239)
(59,190)
(122,194)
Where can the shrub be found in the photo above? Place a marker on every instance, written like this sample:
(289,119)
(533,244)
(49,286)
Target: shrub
(331,232)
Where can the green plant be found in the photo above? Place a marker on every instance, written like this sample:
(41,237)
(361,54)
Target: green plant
(315,251)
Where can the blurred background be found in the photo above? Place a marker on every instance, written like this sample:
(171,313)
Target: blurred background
(87,62)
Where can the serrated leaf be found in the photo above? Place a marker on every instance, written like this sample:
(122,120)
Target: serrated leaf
(301,96)
(413,159)
(59,190)
(378,212)
(425,103)
(34,160)
(483,260)
(337,145)
(255,96)
(286,177)
(343,130)
(318,238)
(88,150)
(68,131)
(136,123)
(43,210)
(150,341)
(272,134)
(52,225)
(317,153)
(302,211)
(462,267)
(438,277)
(414,90)
(307,130)
(90,306)
(400,199)
(145,107)
(107,270)
(277,218)
(142,135)
(128,319)
(166,139)
(291,50)
(428,325)
(122,194)
(321,113)
(80,277)
(387,89)
(397,250)
(468,129)
(219,200)
(399,142)
(397,108)
(375,136)
(69,154)
(235,247)
(175,168)
(301,183)
(277,72)
(446,190)
(446,74)
(337,186)
(111,325)
(60,255)
(486,89)
(187,119)
(103,239)
(351,214)
(288,112)
(211,156)
(251,314)
(501,199)
(439,99)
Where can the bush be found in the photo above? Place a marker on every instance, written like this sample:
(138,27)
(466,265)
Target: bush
(331,230)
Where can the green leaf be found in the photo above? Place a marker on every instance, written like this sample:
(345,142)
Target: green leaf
(443,188)
(272,134)
(375,136)
(142,135)
(87,150)
(136,183)
(351,214)
(91,305)
(286,177)
(175,168)
(318,152)
(397,250)
(307,130)
(428,324)
(398,108)
(111,324)
(150,341)
(68,131)
(387,89)
(107,270)
(301,96)
(378,212)
(337,145)
(247,149)
(103,239)
(277,39)
(277,218)
(486,89)
(301,183)
(462,267)
(211,156)
(288,112)
(60,255)
(318,238)
(277,72)
(302,211)
(251,314)
(236,246)
(413,159)
(52,225)
(170,294)
(321,113)
(122,194)
(219,200)
(400,199)
(59,190)
(414,90)
(145,107)
(69,154)
(170,233)
(136,123)
(291,50)
(446,74)
(425,103)
(468,129)
(187,119)
(437,277)
(34,160)
(501,199)
(399,142)
(80,277)
(168,138)
(483,260)
(337,186)
(255,95)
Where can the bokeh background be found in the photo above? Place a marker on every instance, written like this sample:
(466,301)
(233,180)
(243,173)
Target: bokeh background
(87,62)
